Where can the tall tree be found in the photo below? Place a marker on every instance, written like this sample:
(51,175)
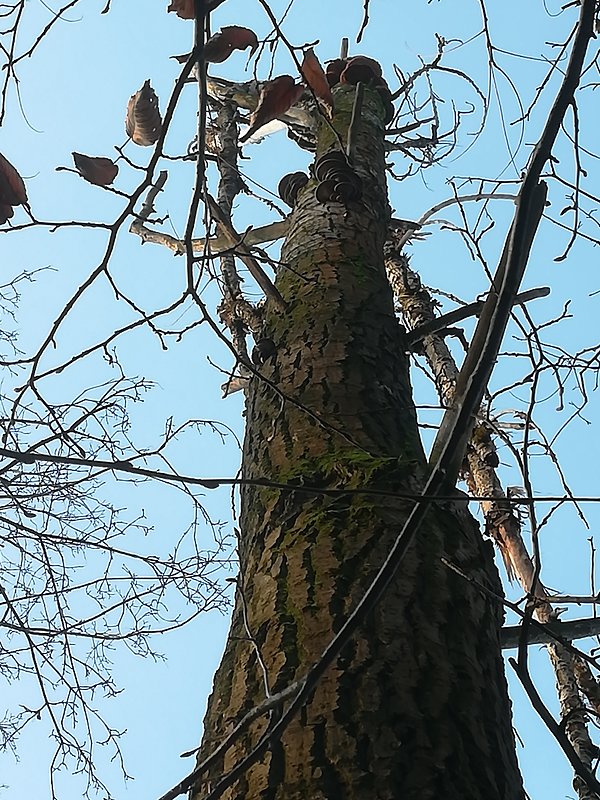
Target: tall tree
(416,703)
(364,656)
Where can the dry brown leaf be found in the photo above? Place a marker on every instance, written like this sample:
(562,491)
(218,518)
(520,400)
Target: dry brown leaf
(143,122)
(6,212)
(183,8)
(220,46)
(315,77)
(95,169)
(276,97)
(12,188)
(233,37)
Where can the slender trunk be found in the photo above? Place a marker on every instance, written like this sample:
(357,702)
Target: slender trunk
(417,704)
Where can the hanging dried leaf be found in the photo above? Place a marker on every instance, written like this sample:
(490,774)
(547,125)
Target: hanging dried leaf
(12,188)
(276,97)
(315,77)
(233,37)
(96,169)
(143,121)
(6,212)
(183,8)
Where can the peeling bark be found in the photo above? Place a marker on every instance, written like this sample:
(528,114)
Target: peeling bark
(574,717)
(416,705)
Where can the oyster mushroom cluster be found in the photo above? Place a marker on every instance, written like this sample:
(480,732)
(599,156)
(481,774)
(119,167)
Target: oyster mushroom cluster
(337,181)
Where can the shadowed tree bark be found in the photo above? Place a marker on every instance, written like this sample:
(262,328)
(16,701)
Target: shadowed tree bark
(417,703)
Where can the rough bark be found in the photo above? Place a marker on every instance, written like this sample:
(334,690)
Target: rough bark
(417,703)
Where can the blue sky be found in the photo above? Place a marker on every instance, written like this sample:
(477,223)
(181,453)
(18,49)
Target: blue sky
(72,96)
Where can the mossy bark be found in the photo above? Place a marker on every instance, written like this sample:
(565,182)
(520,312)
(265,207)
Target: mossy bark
(416,706)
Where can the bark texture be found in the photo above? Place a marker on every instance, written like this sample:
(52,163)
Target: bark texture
(417,705)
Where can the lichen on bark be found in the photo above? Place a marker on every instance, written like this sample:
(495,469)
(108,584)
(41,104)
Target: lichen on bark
(416,705)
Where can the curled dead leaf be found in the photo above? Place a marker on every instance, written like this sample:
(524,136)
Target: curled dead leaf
(12,189)
(315,77)
(232,37)
(276,97)
(6,213)
(183,8)
(143,121)
(95,169)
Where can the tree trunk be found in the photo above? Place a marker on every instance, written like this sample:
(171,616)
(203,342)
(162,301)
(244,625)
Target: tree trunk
(416,706)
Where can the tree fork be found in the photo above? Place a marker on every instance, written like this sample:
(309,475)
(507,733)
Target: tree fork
(417,704)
